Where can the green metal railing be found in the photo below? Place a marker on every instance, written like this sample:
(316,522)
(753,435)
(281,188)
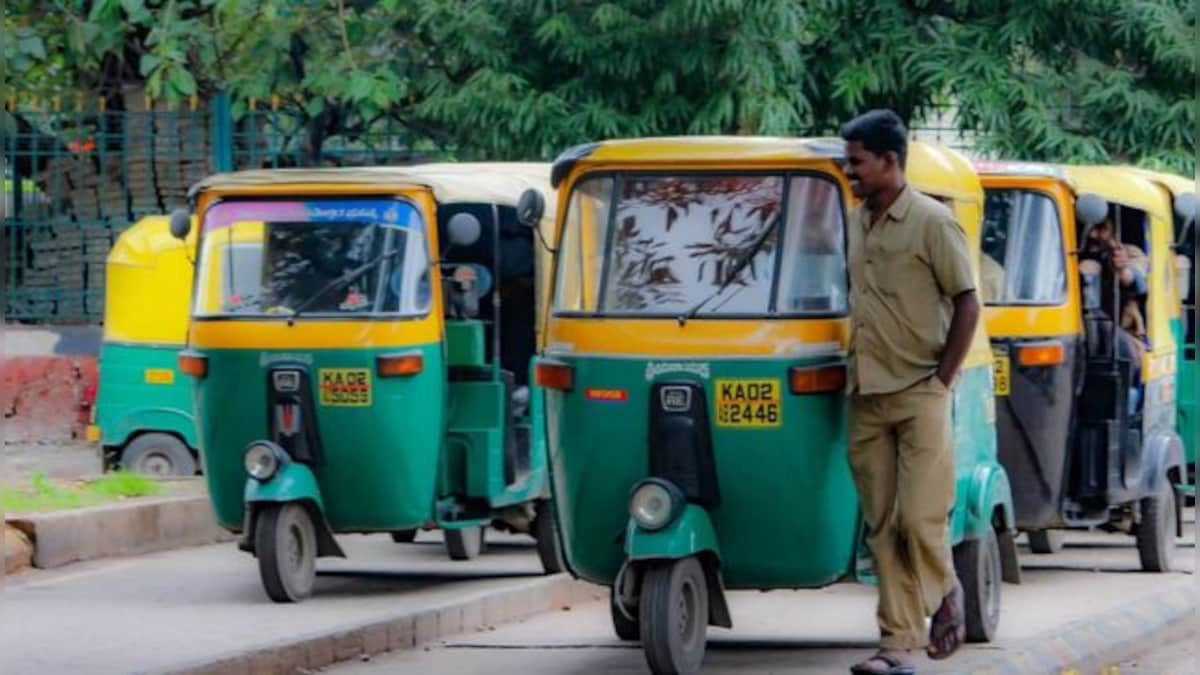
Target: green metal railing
(77,176)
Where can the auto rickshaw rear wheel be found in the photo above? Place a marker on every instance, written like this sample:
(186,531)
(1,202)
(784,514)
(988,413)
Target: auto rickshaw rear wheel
(545,532)
(404,536)
(1045,541)
(673,613)
(1156,530)
(285,542)
(977,563)
(465,543)
(625,626)
(158,454)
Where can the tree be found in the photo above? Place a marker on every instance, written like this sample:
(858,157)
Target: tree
(522,79)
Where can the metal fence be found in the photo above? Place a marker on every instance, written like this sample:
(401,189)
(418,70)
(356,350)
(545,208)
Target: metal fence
(77,176)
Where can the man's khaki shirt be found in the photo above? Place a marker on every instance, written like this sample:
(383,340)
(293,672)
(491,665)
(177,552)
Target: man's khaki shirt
(905,271)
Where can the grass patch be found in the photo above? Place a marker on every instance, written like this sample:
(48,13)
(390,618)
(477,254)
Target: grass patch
(44,494)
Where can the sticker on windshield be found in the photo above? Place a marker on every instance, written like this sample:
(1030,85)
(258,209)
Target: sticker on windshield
(345,386)
(748,403)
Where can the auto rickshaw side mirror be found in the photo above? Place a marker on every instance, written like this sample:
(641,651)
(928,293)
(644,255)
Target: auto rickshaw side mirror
(1090,209)
(463,229)
(180,224)
(531,206)
(1185,207)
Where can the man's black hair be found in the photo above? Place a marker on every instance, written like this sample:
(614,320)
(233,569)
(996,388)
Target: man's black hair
(880,131)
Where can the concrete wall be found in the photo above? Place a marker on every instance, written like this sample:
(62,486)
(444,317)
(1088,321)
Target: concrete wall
(47,379)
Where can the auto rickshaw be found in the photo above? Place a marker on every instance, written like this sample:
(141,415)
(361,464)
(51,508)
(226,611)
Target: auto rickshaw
(143,413)
(1085,406)
(357,364)
(1180,192)
(694,363)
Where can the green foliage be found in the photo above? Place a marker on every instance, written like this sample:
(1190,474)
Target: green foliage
(44,494)
(1092,80)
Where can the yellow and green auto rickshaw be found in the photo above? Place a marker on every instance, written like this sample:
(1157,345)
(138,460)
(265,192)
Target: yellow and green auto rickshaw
(143,413)
(1180,193)
(361,343)
(694,363)
(1085,357)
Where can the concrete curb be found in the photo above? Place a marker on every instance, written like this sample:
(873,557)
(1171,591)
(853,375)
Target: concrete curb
(1094,644)
(121,529)
(473,612)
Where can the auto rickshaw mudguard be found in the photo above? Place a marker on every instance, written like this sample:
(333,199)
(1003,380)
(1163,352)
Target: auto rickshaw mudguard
(138,420)
(1164,451)
(690,534)
(294,482)
(989,490)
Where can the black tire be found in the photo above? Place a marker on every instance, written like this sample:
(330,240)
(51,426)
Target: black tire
(673,613)
(627,628)
(404,536)
(1045,542)
(285,542)
(158,454)
(977,563)
(1156,531)
(545,532)
(465,543)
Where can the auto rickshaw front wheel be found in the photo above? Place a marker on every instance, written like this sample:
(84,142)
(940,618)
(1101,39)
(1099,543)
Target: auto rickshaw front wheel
(285,542)
(1156,530)
(465,543)
(977,563)
(158,454)
(673,613)
(625,624)
(544,531)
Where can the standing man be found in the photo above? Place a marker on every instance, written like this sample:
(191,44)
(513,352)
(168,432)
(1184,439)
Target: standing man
(914,311)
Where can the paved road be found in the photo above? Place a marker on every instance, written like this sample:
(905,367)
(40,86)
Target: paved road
(821,631)
(173,609)
(1177,658)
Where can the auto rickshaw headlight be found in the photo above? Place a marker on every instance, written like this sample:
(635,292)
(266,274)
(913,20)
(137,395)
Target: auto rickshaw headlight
(655,503)
(262,460)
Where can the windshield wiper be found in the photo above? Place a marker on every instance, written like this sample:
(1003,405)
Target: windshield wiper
(340,282)
(737,270)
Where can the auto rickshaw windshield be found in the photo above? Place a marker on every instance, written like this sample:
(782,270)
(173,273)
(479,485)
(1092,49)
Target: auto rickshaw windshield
(1023,257)
(659,244)
(328,257)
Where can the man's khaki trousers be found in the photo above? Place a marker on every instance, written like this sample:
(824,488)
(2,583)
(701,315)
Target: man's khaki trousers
(901,454)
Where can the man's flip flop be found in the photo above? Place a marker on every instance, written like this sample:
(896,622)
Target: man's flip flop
(949,628)
(894,666)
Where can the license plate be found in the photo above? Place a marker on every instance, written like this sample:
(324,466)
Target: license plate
(1001,371)
(345,386)
(748,403)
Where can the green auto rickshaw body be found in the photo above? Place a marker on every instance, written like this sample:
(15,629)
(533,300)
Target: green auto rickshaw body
(743,410)
(394,405)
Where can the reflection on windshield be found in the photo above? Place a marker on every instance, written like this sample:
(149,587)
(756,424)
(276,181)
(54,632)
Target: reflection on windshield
(674,241)
(337,257)
(1022,261)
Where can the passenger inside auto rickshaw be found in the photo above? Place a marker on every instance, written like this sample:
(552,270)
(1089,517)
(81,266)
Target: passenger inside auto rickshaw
(1126,264)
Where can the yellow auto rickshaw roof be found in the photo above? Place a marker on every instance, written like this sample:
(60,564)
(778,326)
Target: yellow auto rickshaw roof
(451,182)
(1178,185)
(1121,186)
(148,280)
(936,168)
